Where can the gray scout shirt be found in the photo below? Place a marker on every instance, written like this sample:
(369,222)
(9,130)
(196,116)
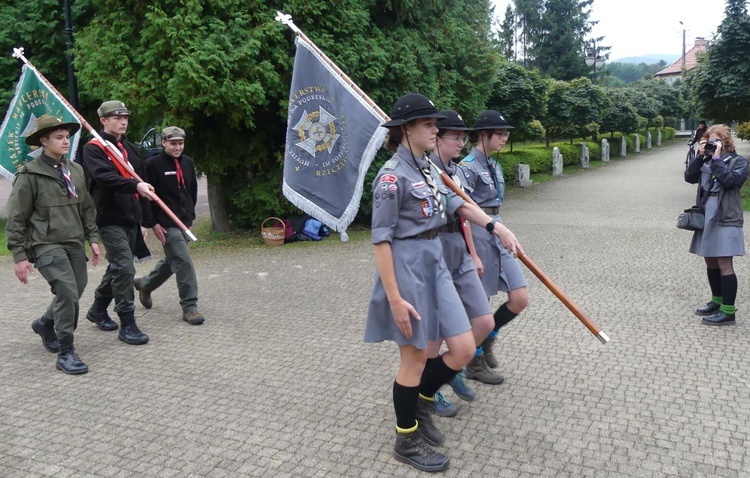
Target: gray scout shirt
(403,204)
(487,189)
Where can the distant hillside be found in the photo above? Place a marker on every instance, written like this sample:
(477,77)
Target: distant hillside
(649,59)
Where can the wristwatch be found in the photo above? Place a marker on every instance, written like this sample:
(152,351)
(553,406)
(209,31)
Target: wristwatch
(491,226)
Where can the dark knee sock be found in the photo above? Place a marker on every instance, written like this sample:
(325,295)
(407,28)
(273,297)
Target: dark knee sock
(427,366)
(503,316)
(405,404)
(715,281)
(729,293)
(436,374)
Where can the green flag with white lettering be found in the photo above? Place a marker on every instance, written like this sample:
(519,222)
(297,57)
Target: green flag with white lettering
(32,100)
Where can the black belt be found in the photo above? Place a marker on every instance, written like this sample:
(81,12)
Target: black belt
(452,226)
(713,194)
(431,234)
(491,210)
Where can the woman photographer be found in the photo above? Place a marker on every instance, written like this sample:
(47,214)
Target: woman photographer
(719,172)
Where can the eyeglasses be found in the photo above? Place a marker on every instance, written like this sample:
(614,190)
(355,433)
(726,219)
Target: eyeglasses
(457,139)
(502,134)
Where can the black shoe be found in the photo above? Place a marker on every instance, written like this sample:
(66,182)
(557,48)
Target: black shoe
(101,319)
(719,318)
(48,335)
(411,449)
(143,295)
(68,361)
(427,427)
(709,309)
(131,334)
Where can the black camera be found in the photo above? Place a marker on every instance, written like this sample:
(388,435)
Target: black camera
(710,146)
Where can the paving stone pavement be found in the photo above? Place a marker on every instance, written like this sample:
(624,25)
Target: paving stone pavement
(278,381)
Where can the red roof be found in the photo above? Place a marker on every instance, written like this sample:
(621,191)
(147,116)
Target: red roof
(691,60)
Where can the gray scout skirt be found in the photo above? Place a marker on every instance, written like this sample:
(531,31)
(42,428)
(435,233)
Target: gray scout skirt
(502,272)
(465,278)
(715,240)
(424,282)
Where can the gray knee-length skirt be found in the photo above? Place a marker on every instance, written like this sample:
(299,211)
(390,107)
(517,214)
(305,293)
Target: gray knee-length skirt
(502,271)
(425,282)
(464,272)
(715,240)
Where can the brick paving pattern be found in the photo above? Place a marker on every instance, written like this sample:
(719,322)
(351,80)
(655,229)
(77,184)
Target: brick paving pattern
(278,381)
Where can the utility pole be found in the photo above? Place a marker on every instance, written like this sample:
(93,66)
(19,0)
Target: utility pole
(683,47)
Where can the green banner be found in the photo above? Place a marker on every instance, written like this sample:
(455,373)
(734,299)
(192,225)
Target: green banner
(32,99)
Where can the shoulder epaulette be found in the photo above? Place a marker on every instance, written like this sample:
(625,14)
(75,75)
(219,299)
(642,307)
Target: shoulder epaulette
(391,164)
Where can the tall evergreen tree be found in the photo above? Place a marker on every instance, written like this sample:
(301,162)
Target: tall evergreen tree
(222,70)
(719,83)
(507,35)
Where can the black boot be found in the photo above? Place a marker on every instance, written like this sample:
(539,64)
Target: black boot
(709,309)
(98,315)
(427,427)
(411,449)
(68,360)
(46,330)
(129,332)
(719,318)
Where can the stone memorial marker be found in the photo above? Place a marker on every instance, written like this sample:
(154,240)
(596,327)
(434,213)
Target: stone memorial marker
(523,175)
(584,156)
(605,150)
(557,162)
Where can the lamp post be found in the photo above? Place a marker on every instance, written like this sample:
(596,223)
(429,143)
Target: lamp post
(73,84)
(594,59)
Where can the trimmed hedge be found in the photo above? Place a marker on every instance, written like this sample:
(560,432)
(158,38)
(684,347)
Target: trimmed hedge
(539,157)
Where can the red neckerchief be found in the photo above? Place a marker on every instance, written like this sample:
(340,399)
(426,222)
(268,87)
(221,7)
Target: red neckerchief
(180,176)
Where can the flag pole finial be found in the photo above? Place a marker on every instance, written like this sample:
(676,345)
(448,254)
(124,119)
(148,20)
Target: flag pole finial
(284,18)
(18,52)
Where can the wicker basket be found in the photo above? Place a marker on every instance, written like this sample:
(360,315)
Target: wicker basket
(273,235)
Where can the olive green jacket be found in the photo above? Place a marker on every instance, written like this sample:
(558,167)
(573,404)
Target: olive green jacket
(42,215)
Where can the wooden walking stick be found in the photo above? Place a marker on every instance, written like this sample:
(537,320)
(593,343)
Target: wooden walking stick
(539,273)
(112,151)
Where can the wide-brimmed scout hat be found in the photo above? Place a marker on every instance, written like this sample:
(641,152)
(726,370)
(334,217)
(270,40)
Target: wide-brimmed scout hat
(491,119)
(410,107)
(45,124)
(113,108)
(171,133)
(452,121)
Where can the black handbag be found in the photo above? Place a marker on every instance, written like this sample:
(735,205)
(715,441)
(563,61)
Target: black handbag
(692,219)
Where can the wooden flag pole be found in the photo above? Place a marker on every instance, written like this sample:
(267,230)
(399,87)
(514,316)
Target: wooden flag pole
(572,306)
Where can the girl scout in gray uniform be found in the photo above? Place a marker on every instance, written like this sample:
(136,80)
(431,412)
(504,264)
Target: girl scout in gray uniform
(720,176)
(414,301)
(50,217)
(464,266)
(502,271)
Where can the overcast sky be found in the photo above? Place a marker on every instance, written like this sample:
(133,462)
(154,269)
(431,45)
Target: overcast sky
(643,27)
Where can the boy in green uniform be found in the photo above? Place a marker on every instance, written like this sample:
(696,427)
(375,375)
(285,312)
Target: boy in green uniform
(50,218)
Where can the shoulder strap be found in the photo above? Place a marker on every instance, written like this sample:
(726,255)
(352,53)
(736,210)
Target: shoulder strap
(120,168)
